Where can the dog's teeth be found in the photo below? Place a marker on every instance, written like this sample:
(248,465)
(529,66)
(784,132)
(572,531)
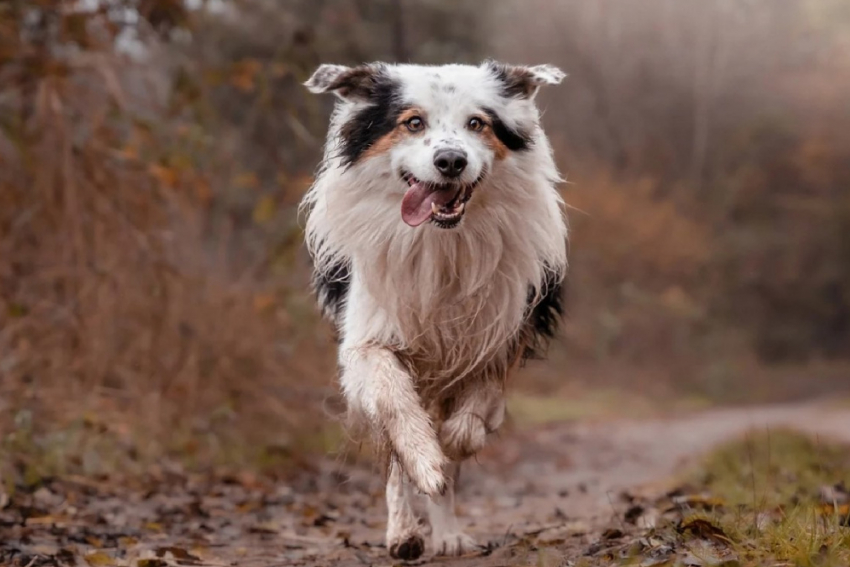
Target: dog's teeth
(434,208)
(461,207)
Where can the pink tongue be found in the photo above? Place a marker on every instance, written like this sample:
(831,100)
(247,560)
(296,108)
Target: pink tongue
(416,204)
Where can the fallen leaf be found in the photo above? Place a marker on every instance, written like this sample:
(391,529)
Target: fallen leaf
(178,553)
(633,513)
(840,511)
(264,528)
(703,553)
(99,559)
(834,510)
(94,541)
(704,529)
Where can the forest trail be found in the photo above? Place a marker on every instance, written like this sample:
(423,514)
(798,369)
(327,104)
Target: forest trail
(558,486)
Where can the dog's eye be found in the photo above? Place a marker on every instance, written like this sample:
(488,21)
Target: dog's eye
(414,124)
(475,124)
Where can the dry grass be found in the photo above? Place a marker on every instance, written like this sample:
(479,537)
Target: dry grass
(135,323)
(775,493)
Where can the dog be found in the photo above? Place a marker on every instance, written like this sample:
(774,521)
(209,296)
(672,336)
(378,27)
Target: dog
(439,245)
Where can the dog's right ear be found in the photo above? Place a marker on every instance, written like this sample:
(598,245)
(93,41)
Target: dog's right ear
(348,83)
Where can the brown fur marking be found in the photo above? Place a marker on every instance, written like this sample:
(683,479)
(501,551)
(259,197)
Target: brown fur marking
(385,143)
(500,150)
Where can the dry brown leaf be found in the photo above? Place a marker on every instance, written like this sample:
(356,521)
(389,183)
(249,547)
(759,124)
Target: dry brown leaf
(703,529)
(178,553)
(841,511)
(99,559)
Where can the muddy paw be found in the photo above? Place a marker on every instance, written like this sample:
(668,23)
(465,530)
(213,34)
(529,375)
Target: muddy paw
(407,548)
(453,544)
(463,435)
(425,468)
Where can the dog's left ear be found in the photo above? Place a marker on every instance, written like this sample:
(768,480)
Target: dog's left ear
(523,82)
(349,83)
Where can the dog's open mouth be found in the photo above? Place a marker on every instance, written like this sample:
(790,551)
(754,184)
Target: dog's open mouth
(442,203)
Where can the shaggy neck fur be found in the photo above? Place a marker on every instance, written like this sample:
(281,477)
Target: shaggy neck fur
(451,301)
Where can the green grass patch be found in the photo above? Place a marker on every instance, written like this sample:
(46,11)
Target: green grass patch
(783,498)
(528,409)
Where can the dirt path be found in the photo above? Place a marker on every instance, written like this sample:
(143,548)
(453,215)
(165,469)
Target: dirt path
(556,484)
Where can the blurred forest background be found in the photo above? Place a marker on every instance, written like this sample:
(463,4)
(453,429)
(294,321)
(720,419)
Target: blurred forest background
(153,283)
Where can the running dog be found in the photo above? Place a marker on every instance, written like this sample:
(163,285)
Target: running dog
(439,242)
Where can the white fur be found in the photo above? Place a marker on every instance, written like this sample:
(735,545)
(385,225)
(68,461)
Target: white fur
(403,528)
(451,303)
(447,538)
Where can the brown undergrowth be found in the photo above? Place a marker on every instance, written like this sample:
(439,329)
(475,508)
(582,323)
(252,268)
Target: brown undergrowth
(135,323)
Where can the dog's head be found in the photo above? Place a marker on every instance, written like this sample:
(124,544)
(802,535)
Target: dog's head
(437,131)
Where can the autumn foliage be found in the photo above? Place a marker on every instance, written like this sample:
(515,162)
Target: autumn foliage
(152,279)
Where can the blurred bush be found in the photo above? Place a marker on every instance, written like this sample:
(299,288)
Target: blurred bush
(708,152)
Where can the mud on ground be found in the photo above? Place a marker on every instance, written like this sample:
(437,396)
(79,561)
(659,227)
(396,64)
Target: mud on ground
(547,495)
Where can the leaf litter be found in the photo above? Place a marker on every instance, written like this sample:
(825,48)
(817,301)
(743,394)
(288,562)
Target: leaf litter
(524,501)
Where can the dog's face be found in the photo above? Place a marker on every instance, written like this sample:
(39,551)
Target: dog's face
(437,132)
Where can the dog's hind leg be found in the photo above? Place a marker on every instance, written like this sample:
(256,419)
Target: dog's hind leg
(404,533)
(446,535)
(375,383)
(478,411)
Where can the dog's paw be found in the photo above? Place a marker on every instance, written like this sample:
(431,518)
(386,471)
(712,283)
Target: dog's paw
(453,543)
(463,435)
(407,548)
(428,475)
(425,464)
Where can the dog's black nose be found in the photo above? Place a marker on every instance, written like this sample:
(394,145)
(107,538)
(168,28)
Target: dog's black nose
(451,163)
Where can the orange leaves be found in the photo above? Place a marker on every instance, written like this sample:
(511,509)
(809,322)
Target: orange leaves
(246,75)
(264,302)
(166,176)
(99,559)
(243,75)
(839,511)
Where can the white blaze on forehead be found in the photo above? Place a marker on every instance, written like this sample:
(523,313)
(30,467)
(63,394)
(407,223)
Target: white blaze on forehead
(449,90)
(467,80)
(450,94)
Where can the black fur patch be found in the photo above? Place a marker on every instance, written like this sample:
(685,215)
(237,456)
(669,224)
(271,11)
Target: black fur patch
(544,317)
(373,122)
(516,82)
(332,288)
(514,140)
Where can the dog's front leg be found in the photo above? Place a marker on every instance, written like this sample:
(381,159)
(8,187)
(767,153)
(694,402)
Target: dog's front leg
(376,384)
(404,532)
